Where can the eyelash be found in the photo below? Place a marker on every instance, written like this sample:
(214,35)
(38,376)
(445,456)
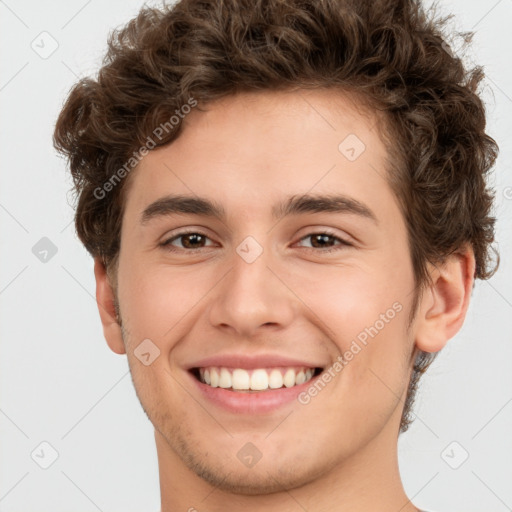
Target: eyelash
(343,243)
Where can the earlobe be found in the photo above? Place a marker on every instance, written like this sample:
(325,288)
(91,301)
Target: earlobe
(445,303)
(105,299)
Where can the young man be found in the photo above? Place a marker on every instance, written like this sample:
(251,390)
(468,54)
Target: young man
(287,207)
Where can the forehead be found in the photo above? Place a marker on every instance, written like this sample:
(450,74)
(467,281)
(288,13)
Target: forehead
(247,151)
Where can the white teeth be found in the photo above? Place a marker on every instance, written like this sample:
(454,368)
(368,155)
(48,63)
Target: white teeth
(225,378)
(259,379)
(214,376)
(275,379)
(240,379)
(289,378)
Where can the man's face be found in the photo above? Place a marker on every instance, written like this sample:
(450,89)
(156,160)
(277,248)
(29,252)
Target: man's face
(261,289)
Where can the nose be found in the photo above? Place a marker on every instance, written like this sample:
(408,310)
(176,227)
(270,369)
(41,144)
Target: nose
(252,296)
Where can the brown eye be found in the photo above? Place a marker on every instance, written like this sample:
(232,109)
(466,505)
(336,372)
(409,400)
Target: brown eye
(324,240)
(190,240)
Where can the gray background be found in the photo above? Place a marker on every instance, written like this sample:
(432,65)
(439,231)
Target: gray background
(61,384)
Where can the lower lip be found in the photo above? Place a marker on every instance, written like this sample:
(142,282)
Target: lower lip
(251,403)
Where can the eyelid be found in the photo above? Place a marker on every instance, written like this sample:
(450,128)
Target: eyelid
(317,229)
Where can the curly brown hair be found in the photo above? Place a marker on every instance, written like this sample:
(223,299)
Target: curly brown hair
(390,53)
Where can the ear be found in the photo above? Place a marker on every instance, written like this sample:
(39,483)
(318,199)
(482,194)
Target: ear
(105,299)
(444,304)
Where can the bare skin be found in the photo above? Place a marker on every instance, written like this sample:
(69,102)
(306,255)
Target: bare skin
(197,297)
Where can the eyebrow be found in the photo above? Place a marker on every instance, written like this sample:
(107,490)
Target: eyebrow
(293,205)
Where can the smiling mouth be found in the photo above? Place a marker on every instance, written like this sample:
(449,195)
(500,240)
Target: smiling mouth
(254,380)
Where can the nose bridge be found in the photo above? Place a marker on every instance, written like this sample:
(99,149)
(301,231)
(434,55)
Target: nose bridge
(250,294)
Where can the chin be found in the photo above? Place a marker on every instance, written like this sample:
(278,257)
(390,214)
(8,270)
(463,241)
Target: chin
(268,480)
(271,474)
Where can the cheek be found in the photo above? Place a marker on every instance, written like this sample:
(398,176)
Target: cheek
(367,325)
(155,300)
(346,299)
(363,308)
(156,304)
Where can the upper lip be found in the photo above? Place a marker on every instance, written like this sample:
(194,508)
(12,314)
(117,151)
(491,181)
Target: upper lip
(252,362)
